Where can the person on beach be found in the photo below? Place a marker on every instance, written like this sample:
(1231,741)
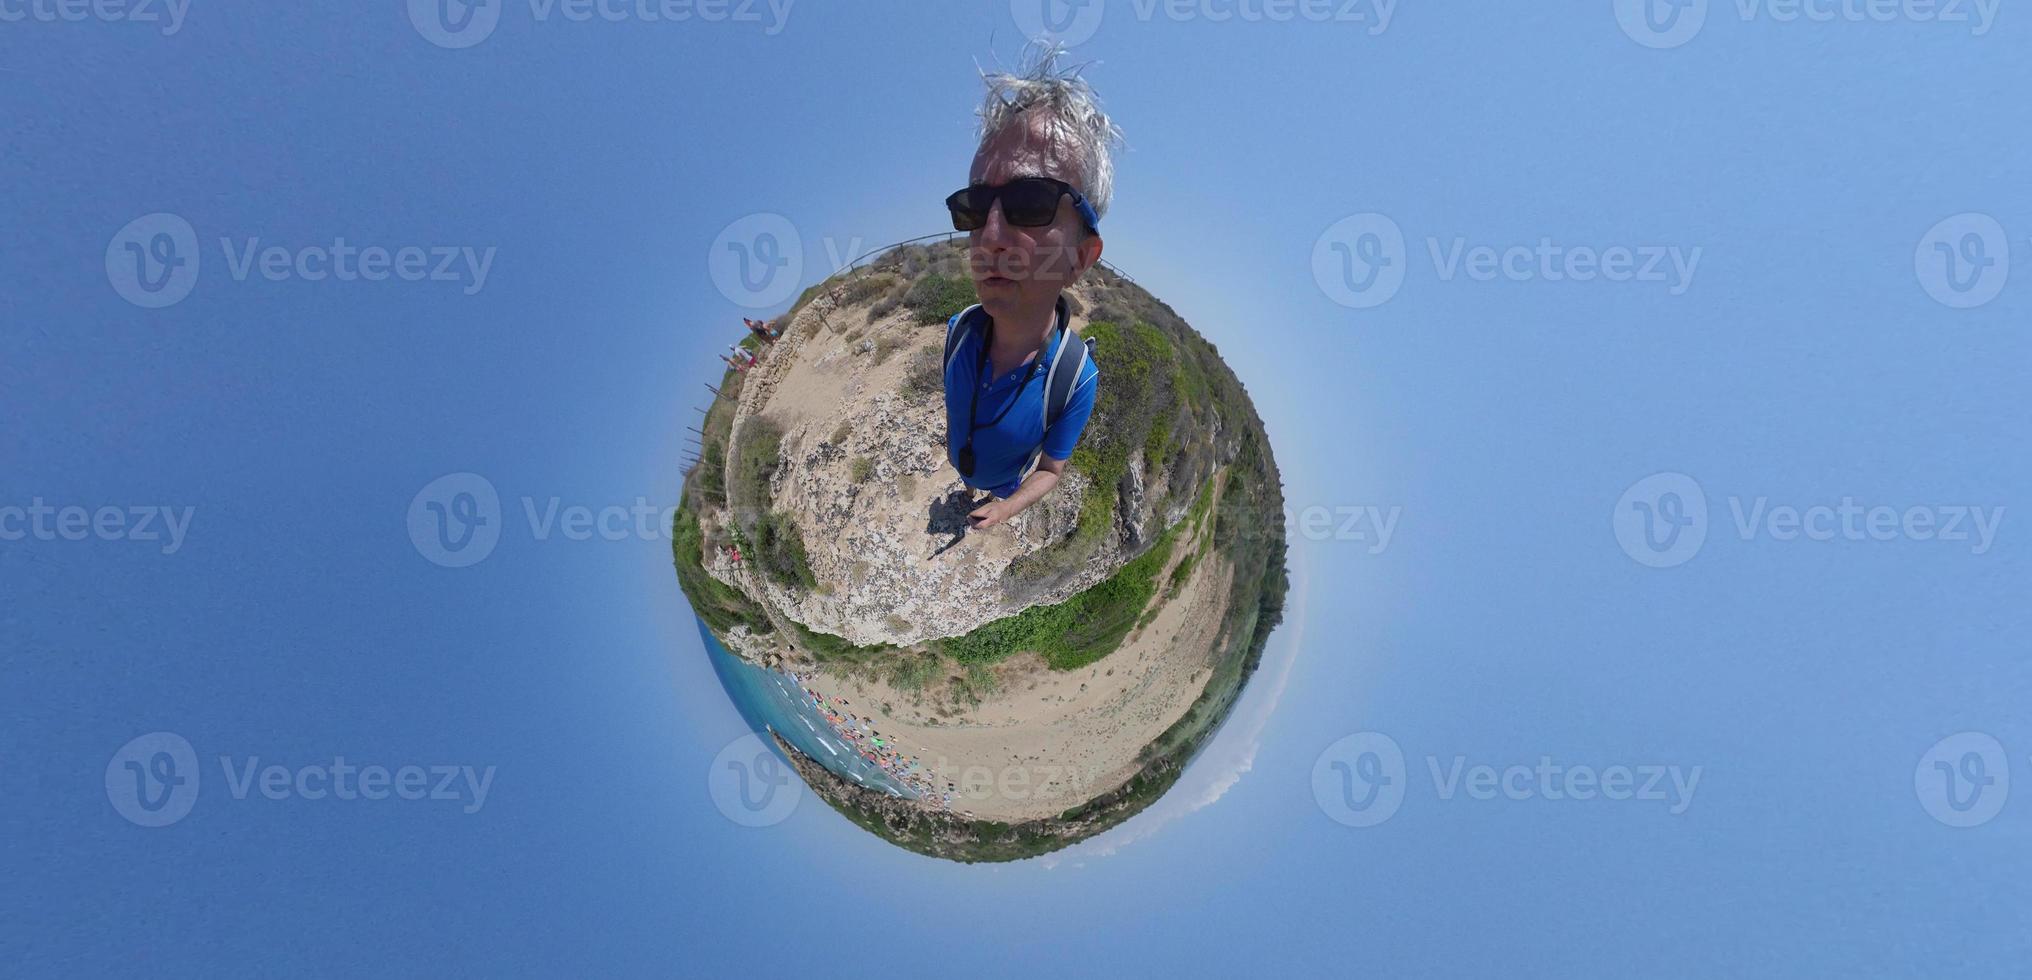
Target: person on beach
(1019,383)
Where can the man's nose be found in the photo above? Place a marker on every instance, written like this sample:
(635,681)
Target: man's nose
(995,231)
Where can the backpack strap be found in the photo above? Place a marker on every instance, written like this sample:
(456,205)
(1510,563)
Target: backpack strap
(1063,379)
(1067,364)
(957,331)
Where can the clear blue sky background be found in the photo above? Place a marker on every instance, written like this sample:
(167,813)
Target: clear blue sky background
(1502,623)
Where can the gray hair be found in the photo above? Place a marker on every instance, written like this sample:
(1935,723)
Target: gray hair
(1073,117)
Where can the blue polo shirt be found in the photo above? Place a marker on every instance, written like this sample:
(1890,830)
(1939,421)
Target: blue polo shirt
(1002,451)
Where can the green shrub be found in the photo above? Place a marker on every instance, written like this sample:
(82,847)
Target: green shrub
(835,649)
(720,605)
(1135,393)
(865,287)
(862,468)
(1078,631)
(976,682)
(710,478)
(912,670)
(935,298)
(1183,571)
(755,462)
(780,551)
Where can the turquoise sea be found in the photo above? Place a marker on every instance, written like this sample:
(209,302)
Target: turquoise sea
(772,700)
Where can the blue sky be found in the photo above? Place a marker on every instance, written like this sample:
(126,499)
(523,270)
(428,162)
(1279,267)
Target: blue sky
(1501,424)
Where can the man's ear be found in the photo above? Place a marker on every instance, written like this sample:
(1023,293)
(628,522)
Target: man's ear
(1089,251)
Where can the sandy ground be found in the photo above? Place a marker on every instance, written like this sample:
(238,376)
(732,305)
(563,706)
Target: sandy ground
(1050,740)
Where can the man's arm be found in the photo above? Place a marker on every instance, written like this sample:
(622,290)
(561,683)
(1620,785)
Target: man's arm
(1035,486)
(1062,438)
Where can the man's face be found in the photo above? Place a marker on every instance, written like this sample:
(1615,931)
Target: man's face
(1024,268)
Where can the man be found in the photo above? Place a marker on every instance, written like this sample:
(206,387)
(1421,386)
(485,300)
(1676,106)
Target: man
(1019,384)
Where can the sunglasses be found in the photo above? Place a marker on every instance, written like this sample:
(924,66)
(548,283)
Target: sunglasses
(1027,202)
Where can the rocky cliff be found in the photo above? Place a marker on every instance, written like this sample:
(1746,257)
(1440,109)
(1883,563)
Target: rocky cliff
(834,466)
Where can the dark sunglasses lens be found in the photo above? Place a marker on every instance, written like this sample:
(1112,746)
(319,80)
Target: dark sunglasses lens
(967,213)
(1030,203)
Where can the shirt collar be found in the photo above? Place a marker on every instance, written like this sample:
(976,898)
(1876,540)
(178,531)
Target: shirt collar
(1058,328)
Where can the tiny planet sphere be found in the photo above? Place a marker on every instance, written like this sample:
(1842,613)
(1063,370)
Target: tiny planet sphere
(977,694)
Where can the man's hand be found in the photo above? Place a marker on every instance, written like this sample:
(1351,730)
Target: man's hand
(1039,483)
(990,514)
